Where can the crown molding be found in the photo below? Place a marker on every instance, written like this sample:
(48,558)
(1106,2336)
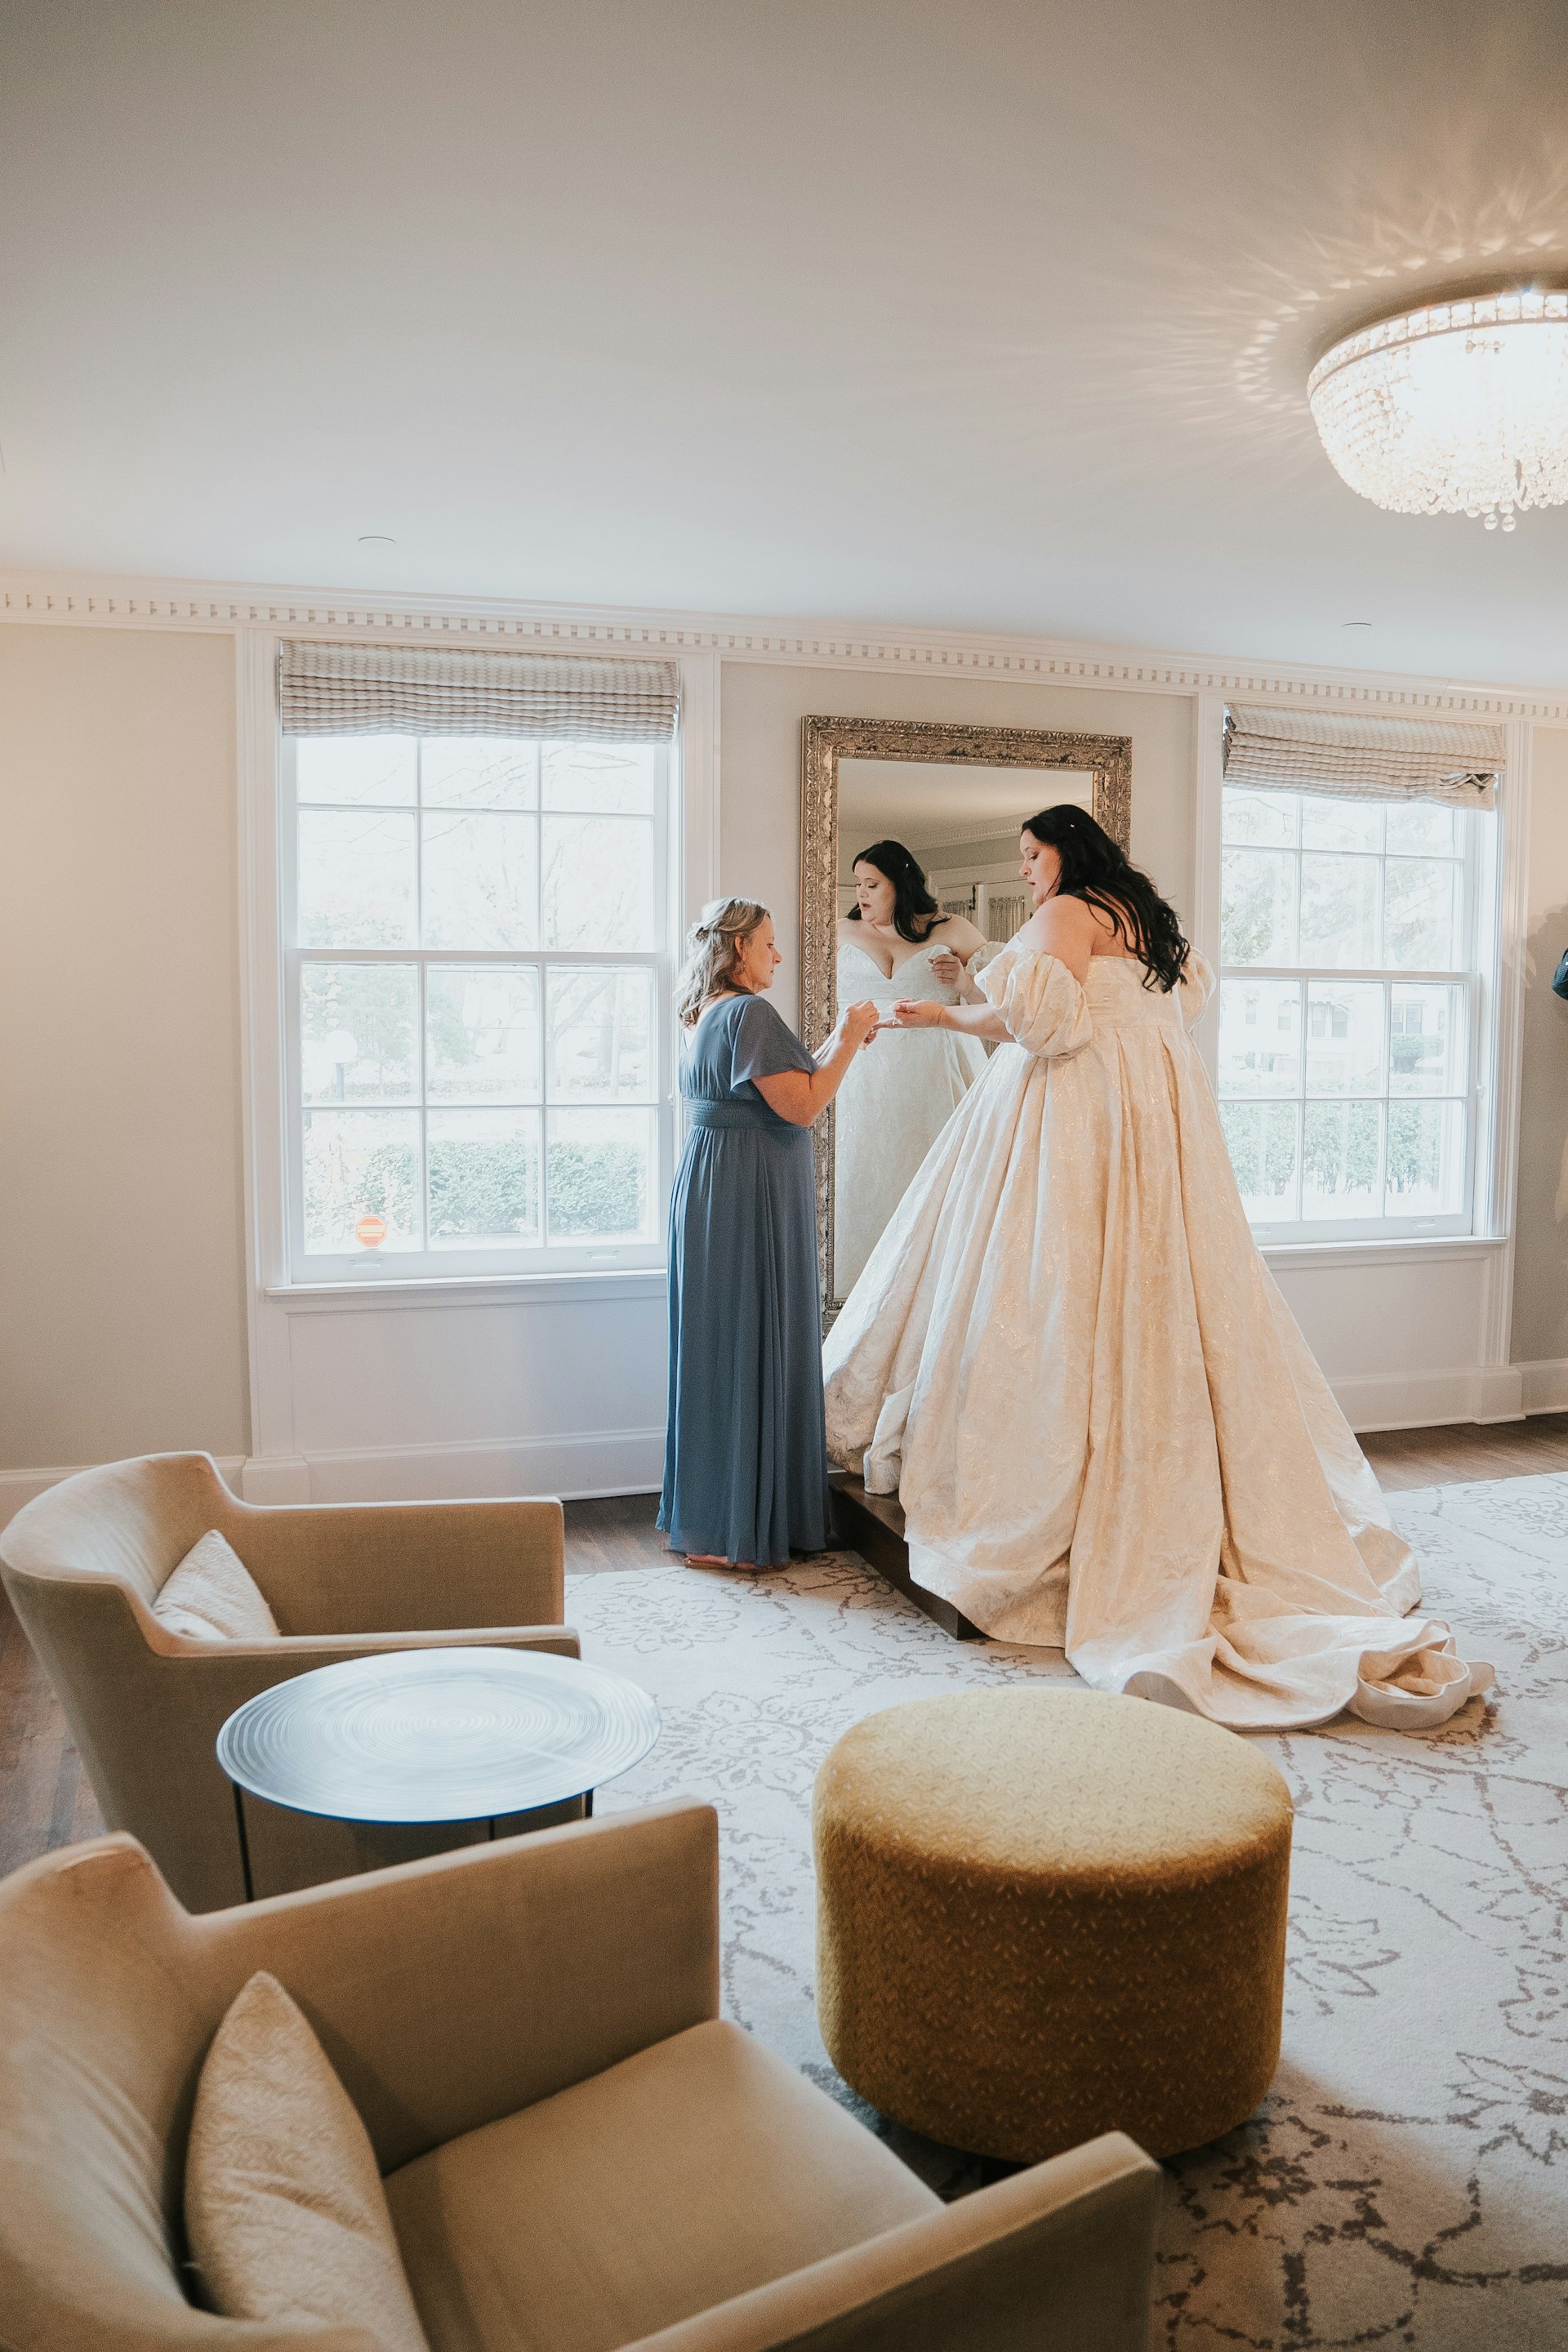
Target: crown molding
(91,601)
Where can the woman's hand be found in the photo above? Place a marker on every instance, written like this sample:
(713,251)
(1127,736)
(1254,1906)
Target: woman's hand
(953,972)
(858,1024)
(916,1012)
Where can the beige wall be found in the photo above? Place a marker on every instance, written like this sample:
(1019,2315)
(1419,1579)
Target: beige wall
(121,1304)
(122,1298)
(762,706)
(1540,1262)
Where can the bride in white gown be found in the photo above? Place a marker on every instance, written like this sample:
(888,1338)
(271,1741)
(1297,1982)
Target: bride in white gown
(1068,1358)
(898,943)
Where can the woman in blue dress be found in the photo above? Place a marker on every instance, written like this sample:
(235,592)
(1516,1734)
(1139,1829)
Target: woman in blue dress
(745,1458)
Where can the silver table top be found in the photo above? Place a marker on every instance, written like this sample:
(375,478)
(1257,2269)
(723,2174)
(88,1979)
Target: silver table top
(437,1734)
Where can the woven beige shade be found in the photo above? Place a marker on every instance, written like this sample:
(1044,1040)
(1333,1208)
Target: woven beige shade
(335,689)
(1361,759)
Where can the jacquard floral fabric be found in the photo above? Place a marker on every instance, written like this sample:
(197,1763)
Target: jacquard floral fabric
(1107,1431)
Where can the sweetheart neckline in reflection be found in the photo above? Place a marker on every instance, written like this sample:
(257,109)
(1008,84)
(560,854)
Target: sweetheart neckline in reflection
(853,947)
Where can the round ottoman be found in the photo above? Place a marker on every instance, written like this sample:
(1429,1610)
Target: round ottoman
(1045,1915)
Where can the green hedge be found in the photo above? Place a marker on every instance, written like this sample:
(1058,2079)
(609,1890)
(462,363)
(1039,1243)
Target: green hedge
(485,1190)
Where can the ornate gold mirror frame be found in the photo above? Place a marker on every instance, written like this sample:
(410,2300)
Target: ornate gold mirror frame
(826,741)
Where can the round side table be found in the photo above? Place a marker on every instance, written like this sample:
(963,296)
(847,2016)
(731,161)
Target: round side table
(416,1739)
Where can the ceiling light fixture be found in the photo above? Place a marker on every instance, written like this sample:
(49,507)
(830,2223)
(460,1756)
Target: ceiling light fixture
(1458,408)
(376,539)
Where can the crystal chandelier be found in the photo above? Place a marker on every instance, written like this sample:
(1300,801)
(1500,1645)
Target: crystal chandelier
(1459,408)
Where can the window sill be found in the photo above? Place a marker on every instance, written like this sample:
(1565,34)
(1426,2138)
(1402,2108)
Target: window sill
(1411,1249)
(598,1287)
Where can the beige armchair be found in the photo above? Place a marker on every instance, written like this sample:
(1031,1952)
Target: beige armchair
(578,2154)
(84,1562)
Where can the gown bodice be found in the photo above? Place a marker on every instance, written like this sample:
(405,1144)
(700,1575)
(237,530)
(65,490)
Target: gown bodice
(861,975)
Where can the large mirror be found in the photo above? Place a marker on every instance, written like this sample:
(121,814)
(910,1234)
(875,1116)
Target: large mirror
(939,810)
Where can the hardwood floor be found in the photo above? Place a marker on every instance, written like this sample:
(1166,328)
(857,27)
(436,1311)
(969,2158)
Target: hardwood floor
(613,1532)
(45,1800)
(1452,1457)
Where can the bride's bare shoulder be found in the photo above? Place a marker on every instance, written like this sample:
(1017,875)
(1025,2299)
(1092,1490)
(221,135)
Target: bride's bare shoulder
(1059,923)
(1063,927)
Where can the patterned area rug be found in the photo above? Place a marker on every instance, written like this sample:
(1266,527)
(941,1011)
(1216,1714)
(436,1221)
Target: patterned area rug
(1406,2181)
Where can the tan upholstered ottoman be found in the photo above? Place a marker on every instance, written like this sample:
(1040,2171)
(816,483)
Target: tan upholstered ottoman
(1045,1915)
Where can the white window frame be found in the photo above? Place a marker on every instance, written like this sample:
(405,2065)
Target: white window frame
(265,846)
(437,1264)
(1501,956)
(1477,869)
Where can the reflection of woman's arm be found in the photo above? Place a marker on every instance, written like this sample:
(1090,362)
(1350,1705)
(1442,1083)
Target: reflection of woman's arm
(950,966)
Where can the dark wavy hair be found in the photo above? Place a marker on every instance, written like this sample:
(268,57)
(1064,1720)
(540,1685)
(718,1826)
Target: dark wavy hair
(915,912)
(1096,870)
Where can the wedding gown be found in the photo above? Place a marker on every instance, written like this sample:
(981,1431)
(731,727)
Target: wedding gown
(893,1104)
(1107,1431)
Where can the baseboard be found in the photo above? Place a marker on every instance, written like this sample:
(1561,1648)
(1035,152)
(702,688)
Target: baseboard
(612,1462)
(1545,1385)
(630,1460)
(19,1486)
(1476,1392)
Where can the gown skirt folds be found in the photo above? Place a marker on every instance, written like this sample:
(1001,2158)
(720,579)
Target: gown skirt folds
(746,1463)
(1105,1429)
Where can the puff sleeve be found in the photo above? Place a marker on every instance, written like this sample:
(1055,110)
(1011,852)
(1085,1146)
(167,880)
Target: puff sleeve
(1197,987)
(1043,1005)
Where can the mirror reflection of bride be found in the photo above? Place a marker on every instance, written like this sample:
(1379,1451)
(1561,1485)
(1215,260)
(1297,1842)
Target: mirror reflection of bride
(896,942)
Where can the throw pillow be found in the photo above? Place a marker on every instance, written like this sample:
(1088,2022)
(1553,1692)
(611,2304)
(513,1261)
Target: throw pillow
(212,1597)
(285,2211)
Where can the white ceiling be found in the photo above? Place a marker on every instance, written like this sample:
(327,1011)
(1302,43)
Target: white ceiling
(992,314)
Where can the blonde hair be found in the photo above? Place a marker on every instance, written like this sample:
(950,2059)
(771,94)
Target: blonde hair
(713,947)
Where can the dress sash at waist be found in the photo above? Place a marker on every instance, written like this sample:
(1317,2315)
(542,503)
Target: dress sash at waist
(756,1115)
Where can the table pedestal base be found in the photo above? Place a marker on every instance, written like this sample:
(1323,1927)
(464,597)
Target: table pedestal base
(277,1861)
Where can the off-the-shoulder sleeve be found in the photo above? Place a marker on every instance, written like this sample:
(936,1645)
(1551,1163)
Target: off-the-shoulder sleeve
(1195,987)
(762,1044)
(1043,1005)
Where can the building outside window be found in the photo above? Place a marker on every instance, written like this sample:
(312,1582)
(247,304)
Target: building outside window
(1352,1000)
(477,982)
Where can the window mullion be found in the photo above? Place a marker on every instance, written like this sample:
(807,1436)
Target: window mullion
(605,1155)
(546,1089)
(1433,1126)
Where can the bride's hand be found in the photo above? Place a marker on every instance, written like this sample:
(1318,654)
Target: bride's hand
(947,967)
(916,1013)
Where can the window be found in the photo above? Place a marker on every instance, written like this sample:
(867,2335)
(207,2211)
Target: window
(1351,1008)
(476,934)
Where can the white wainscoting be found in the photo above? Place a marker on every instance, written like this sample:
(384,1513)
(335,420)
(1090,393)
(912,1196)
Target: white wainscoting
(393,1394)
(402,1399)
(1412,1335)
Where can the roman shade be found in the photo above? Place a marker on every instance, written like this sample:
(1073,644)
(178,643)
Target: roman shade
(1357,758)
(342,689)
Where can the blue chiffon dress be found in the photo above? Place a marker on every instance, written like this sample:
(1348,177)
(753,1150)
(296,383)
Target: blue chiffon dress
(745,1457)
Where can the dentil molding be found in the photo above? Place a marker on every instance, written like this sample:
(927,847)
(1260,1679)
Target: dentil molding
(104,603)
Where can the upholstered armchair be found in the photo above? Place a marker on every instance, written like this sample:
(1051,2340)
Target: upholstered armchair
(577,2152)
(84,1563)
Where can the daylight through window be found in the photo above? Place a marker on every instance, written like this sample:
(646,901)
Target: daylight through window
(1350,1004)
(476,962)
